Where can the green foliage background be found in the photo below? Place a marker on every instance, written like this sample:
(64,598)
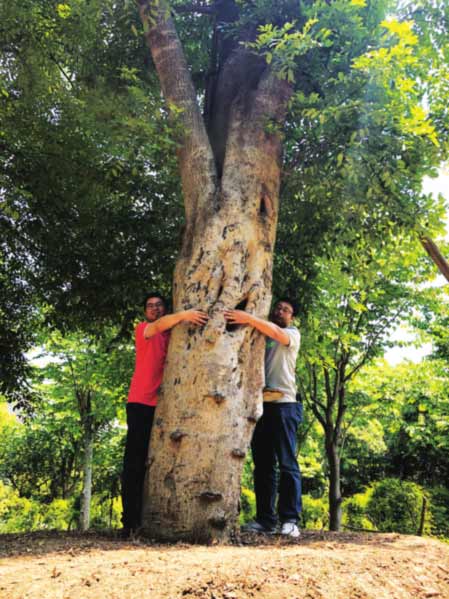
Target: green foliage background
(91,216)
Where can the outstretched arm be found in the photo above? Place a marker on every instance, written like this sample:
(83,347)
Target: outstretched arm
(264,326)
(170,320)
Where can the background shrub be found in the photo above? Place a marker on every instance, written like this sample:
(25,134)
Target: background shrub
(395,506)
(355,511)
(315,512)
(247,506)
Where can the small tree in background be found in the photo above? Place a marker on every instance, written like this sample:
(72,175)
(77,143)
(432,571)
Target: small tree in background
(83,387)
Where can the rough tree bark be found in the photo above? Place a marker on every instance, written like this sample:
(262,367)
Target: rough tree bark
(230,172)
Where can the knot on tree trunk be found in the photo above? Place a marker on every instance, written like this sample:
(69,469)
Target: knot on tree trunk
(177,435)
(211,496)
(238,453)
(218,522)
(266,204)
(217,397)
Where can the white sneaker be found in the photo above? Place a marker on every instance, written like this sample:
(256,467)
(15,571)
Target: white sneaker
(289,529)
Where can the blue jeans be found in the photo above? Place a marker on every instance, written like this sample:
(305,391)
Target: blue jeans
(274,441)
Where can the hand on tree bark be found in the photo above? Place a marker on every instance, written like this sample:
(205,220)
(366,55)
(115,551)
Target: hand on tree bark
(197,317)
(237,316)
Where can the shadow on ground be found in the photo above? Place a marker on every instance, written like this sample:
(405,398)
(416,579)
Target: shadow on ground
(43,542)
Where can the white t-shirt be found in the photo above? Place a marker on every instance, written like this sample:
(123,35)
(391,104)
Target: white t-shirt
(280,365)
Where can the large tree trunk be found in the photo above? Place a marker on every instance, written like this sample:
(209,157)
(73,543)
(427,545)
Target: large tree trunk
(214,376)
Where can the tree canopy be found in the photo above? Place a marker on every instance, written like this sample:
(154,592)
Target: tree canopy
(88,159)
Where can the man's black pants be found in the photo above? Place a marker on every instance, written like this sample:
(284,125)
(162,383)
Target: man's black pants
(274,441)
(139,418)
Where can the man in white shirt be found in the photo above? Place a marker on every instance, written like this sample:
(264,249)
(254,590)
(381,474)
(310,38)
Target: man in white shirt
(274,437)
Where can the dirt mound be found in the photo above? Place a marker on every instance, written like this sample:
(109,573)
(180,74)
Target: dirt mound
(317,566)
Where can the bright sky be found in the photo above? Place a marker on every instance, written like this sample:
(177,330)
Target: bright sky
(415,354)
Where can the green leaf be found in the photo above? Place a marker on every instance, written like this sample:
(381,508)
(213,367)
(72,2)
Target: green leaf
(64,10)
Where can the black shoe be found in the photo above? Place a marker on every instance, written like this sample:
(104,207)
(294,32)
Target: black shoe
(125,532)
(129,532)
(255,526)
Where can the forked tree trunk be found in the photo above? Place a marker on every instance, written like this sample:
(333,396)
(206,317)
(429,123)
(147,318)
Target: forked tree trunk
(214,376)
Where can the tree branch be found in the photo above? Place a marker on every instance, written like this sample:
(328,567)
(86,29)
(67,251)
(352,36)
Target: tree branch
(439,260)
(344,434)
(341,406)
(256,123)
(315,392)
(371,344)
(61,70)
(271,98)
(313,396)
(318,415)
(232,80)
(196,161)
(329,392)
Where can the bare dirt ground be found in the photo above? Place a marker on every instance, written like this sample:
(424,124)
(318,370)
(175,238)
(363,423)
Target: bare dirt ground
(317,566)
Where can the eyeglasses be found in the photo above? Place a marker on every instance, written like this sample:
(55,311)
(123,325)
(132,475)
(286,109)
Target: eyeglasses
(154,305)
(284,309)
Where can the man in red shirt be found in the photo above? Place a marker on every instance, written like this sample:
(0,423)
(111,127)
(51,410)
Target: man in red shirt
(151,339)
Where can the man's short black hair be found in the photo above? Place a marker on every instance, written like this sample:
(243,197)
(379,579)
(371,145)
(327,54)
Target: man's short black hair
(154,294)
(289,300)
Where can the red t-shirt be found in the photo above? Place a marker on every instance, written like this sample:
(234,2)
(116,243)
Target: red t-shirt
(149,369)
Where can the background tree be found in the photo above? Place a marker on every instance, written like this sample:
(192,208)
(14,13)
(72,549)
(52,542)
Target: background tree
(41,474)
(85,384)
(407,404)
(365,291)
(90,207)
